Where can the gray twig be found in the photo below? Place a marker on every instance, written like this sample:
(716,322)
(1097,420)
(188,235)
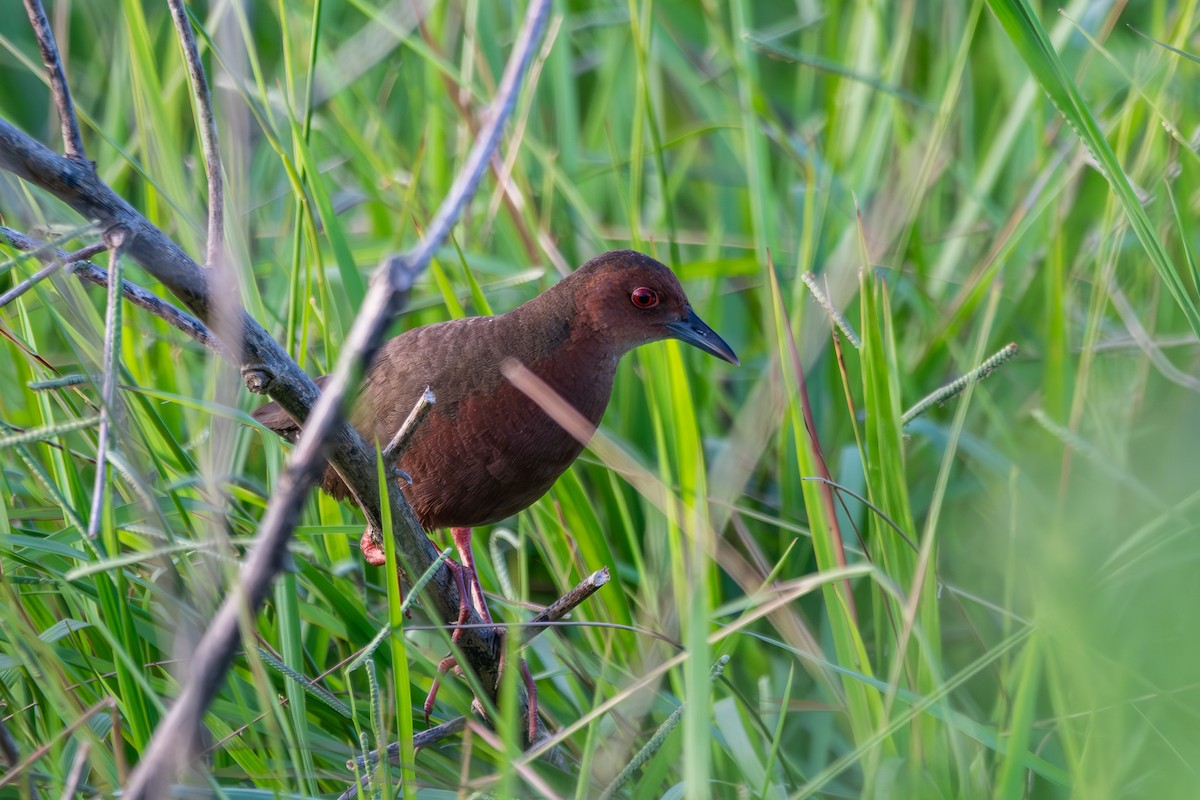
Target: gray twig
(409,426)
(75,776)
(564,605)
(423,738)
(72,138)
(56,263)
(115,239)
(208,134)
(135,294)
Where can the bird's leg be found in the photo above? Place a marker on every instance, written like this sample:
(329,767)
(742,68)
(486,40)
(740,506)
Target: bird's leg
(462,540)
(466,575)
(464,613)
(531,690)
(443,665)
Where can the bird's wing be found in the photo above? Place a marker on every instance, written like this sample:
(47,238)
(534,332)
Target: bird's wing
(275,418)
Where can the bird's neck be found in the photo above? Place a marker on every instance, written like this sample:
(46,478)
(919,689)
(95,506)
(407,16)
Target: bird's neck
(545,334)
(551,325)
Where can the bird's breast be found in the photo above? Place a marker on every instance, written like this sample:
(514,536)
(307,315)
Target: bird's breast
(492,453)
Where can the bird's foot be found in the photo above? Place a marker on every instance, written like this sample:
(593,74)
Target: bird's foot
(372,552)
(464,614)
(462,577)
(445,664)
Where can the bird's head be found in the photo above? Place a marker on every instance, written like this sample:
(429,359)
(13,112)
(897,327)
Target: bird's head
(630,299)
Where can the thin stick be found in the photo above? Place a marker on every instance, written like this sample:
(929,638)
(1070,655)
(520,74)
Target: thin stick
(425,738)
(208,135)
(87,271)
(564,605)
(409,426)
(151,302)
(176,737)
(72,139)
(75,776)
(27,284)
(54,265)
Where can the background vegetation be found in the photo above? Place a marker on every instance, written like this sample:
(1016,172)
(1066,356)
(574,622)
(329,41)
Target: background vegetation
(1014,613)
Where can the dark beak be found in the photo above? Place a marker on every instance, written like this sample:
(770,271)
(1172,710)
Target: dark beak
(694,331)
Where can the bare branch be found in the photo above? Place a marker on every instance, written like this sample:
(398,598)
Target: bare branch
(92,273)
(564,605)
(151,302)
(176,736)
(409,427)
(72,138)
(115,239)
(424,738)
(33,280)
(208,134)
(67,259)
(468,179)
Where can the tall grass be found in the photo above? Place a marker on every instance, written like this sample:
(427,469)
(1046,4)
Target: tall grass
(993,600)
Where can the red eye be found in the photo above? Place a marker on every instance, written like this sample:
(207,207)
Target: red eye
(644,298)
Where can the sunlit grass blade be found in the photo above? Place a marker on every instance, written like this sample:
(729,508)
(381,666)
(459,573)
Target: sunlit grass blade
(1025,31)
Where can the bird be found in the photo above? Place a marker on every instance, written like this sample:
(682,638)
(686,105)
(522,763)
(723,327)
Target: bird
(486,451)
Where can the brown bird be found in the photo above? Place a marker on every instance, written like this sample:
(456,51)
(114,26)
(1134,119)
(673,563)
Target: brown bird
(487,451)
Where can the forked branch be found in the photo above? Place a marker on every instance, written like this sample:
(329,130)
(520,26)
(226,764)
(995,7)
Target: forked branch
(266,368)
